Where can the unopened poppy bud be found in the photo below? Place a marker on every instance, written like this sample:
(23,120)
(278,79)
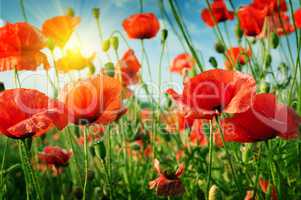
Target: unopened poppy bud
(219,47)
(274,39)
(96,12)
(78,192)
(213,62)
(164,35)
(100,150)
(50,44)
(2,87)
(70,12)
(114,42)
(214,193)
(264,87)
(268,61)
(238,32)
(109,69)
(105,45)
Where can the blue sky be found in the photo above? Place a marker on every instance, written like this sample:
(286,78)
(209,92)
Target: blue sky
(112,14)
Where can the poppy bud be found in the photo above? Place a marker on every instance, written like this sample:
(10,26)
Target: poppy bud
(2,87)
(164,35)
(264,87)
(213,62)
(96,12)
(100,150)
(91,70)
(238,32)
(109,69)
(70,12)
(114,42)
(219,47)
(268,61)
(105,45)
(50,44)
(214,193)
(78,192)
(168,101)
(274,39)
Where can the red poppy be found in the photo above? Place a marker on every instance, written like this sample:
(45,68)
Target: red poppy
(215,91)
(130,68)
(95,133)
(271,6)
(53,155)
(264,185)
(279,23)
(218,12)
(174,121)
(251,20)
(249,195)
(97,99)
(297,17)
(27,112)
(141,26)
(235,56)
(60,28)
(20,47)
(167,184)
(181,63)
(264,120)
(197,134)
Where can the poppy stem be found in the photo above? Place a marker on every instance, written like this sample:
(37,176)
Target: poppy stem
(210,157)
(144,54)
(17,78)
(86,162)
(23,10)
(2,163)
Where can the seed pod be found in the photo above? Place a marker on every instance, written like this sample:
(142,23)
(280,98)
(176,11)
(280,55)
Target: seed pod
(70,12)
(96,12)
(214,193)
(264,87)
(109,69)
(114,42)
(274,39)
(100,150)
(105,45)
(164,35)
(213,62)
(219,47)
(2,87)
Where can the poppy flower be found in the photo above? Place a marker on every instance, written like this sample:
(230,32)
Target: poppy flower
(218,12)
(182,63)
(60,28)
(215,91)
(20,47)
(279,23)
(141,26)
(73,60)
(168,183)
(251,20)
(249,195)
(54,155)
(235,56)
(97,99)
(28,112)
(130,67)
(174,121)
(297,17)
(197,134)
(264,120)
(271,6)
(264,185)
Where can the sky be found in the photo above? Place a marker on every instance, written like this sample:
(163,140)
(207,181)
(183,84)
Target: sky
(113,12)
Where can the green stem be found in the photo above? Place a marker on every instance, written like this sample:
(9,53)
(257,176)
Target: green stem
(86,162)
(147,60)
(23,10)
(210,157)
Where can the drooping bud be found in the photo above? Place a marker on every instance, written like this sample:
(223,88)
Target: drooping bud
(114,42)
(274,39)
(219,47)
(2,87)
(105,45)
(96,12)
(164,35)
(213,62)
(214,193)
(100,150)
(109,69)
(70,12)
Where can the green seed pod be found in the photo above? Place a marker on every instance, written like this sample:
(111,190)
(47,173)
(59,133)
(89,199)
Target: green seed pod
(264,87)
(2,87)
(114,42)
(105,45)
(268,61)
(238,32)
(164,35)
(70,12)
(214,193)
(96,12)
(109,69)
(50,44)
(100,150)
(213,62)
(219,47)
(274,39)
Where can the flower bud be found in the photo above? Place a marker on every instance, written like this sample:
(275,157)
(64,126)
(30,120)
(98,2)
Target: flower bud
(109,69)
(96,12)
(214,193)
(264,87)
(114,42)
(100,150)
(213,62)
(2,87)
(105,45)
(70,12)
(164,35)
(274,39)
(91,70)
(268,61)
(219,47)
